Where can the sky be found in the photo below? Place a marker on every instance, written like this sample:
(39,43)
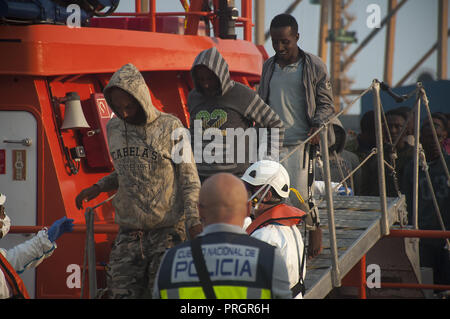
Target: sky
(416,32)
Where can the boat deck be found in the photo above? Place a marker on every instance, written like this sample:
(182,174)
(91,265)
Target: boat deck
(358,228)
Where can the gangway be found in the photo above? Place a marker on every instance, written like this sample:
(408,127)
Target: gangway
(358,229)
(353,225)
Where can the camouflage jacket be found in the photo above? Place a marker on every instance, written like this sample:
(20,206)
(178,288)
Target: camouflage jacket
(152,191)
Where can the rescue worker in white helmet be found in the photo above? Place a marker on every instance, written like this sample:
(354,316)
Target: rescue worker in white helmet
(222,262)
(28,254)
(275,222)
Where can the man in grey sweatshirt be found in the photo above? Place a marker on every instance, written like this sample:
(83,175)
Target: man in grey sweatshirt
(230,112)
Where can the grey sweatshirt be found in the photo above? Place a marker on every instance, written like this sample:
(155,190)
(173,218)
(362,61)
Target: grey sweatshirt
(235,106)
(316,81)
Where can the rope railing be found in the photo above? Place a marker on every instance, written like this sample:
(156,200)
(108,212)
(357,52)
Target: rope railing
(380,120)
(419,160)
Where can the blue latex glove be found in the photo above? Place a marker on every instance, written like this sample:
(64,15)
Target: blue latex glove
(341,191)
(60,227)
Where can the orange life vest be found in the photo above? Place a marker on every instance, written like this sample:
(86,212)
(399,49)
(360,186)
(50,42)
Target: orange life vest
(281,214)
(19,290)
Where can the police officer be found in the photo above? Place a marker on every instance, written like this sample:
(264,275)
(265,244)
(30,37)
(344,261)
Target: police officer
(230,264)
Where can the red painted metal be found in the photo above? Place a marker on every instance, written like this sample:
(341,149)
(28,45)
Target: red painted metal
(43,62)
(246,8)
(193,20)
(401,285)
(137,6)
(77,228)
(419,233)
(152,15)
(357,278)
(83,48)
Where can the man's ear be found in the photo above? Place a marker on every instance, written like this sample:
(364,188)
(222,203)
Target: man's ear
(201,212)
(268,196)
(249,209)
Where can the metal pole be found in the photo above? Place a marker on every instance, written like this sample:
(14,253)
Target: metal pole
(390,43)
(260,12)
(416,159)
(323,47)
(380,157)
(91,253)
(137,6)
(152,10)
(335,61)
(442,39)
(335,272)
(144,6)
(410,233)
(362,278)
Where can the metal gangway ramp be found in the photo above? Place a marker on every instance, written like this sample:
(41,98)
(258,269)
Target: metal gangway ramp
(358,229)
(352,225)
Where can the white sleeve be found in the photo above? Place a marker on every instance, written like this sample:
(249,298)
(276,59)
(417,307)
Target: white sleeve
(270,235)
(31,253)
(290,244)
(5,291)
(280,278)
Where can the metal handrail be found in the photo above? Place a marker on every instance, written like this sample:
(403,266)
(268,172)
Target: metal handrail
(245,19)
(335,272)
(89,252)
(380,157)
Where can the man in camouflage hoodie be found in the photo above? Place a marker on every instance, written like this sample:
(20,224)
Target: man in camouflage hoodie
(155,198)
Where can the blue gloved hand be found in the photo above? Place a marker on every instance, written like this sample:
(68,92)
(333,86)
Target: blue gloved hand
(341,191)
(60,227)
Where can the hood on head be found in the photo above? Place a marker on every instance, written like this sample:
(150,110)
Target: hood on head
(340,136)
(129,79)
(213,60)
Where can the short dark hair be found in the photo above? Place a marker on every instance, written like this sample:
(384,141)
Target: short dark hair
(397,112)
(437,115)
(367,123)
(284,20)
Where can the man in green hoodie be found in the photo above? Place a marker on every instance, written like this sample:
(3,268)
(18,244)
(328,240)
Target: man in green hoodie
(156,198)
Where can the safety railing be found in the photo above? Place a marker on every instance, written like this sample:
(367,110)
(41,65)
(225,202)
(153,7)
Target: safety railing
(336,274)
(89,261)
(191,27)
(89,252)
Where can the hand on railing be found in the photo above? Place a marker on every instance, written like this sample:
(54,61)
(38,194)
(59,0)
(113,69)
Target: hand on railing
(86,195)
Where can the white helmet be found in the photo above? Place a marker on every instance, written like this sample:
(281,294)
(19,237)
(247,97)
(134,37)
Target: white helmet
(271,173)
(2,199)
